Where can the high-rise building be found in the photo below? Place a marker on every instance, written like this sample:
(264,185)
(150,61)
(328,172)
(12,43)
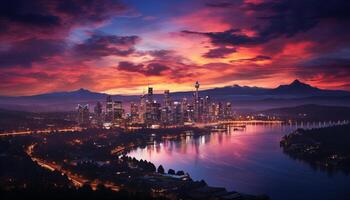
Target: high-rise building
(83,115)
(190,113)
(177,115)
(219,111)
(118,114)
(109,109)
(155,113)
(98,109)
(134,112)
(98,114)
(142,111)
(167,99)
(150,95)
(212,112)
(205,109)
(118,111)
(196,103)
(148,108)
(166,111)
(228,110)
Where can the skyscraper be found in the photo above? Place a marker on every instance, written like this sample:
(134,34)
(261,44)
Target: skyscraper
(178,117)
(149,113)
(196,103)
(167,99)
(142,112)
(134,112)
(118,110)
(109,109)
(98,114)
(150,94)
(83,115)
(98,109)
(206,109)
(155,113)
(228,110)
(166,114)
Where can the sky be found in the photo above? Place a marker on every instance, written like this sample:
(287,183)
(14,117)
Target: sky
(121,47)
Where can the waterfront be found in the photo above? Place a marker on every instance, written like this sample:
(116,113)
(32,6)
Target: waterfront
(249,161)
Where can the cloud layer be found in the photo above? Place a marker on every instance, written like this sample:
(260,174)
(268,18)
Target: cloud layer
(120,47)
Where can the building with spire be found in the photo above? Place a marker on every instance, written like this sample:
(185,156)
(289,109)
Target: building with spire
(196,103)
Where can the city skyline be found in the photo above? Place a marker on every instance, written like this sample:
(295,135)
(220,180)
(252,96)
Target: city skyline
(151,113)
(120,47)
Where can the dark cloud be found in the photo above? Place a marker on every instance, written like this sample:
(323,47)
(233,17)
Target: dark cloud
(253,72)
(24,53)
(129,66)
(151,69)
(220,52)
(104,45)
(223,4)
(230,37)
(227,41)
(284,18)
(155,69)
(288,17)
(254,59)
(161,54)
(23,19)
(24,12)
(337,69)
(35,30)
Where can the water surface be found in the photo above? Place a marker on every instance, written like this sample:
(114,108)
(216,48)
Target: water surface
(249,161)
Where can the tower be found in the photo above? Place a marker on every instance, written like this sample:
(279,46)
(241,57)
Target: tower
(196,85)
(196,103)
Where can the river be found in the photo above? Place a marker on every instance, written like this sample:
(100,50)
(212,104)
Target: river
(249,161)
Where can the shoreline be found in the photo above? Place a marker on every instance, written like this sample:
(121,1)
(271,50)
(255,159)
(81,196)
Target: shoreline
(208,131)
(160,184)
(323,148)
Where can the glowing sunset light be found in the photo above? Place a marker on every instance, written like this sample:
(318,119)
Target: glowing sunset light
(120,47)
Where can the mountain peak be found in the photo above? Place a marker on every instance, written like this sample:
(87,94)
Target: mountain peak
(82,90)
(296,87)
(296,82)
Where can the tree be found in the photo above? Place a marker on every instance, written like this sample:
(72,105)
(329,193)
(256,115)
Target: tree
(171,171)
(160,169)
(180,173)
(152,167)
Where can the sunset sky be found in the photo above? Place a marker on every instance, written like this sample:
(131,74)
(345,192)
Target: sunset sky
(120,47)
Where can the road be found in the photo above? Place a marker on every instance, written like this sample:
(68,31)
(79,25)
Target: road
(76,179)
(43,131)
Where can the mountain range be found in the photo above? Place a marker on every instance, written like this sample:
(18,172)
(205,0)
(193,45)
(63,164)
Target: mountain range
(242,97)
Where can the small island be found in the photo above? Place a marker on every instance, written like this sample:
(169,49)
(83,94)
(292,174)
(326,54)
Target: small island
(324,148)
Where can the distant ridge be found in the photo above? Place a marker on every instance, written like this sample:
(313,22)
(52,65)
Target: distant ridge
(295,93)
(295,88)
(312,112)
(76,93)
